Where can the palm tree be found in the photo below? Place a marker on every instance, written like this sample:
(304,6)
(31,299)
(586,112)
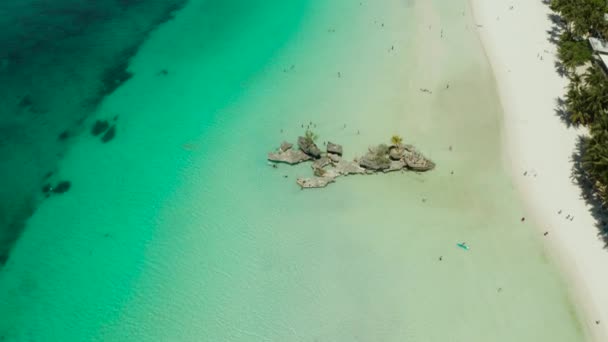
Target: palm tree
(587,96)
(582,16)
(595,154)
(595,93)
(572,52)
(396,140)
(575,101)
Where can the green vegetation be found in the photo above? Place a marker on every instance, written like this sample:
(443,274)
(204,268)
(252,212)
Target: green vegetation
(587,97)
(582,17)
(396,140)
(573,53)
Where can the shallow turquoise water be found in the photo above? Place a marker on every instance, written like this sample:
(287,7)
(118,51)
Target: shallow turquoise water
(178,230)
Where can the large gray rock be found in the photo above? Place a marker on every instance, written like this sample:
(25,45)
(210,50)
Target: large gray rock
(334,148)
(374,162)
(417,162)
(309,147)
(290,157)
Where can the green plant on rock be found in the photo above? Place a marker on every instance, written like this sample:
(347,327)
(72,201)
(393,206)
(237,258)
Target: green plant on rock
(396,140)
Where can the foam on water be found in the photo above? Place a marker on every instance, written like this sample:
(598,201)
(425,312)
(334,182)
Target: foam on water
(178,229)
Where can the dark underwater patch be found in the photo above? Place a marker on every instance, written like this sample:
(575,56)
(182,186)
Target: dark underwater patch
(109,135)
(99,127)
(63,135)
(62,187)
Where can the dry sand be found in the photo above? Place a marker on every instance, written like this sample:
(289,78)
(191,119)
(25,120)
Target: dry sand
(515,36)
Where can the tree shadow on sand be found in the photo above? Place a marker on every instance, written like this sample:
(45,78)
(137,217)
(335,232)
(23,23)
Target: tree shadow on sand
(553,34)
(561,111)
(597,208)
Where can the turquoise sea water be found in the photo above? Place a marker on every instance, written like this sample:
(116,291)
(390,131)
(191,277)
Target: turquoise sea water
(58,59)
(178,230)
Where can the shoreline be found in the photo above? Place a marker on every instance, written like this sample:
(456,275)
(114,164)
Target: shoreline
(528,87)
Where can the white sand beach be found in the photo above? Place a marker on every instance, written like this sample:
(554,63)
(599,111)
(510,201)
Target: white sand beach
(515,37)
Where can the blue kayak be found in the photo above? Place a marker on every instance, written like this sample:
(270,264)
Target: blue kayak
(463,246)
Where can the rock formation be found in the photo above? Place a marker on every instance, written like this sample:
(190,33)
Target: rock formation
(329,166)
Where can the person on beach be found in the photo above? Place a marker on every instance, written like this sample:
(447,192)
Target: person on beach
(523,219)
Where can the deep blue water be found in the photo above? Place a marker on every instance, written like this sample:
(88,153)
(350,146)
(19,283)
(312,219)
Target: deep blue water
(58,59)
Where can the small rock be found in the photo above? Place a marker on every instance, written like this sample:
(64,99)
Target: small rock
(334,157)
(285,146)
(314,182)
(396,153)
(334,148)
